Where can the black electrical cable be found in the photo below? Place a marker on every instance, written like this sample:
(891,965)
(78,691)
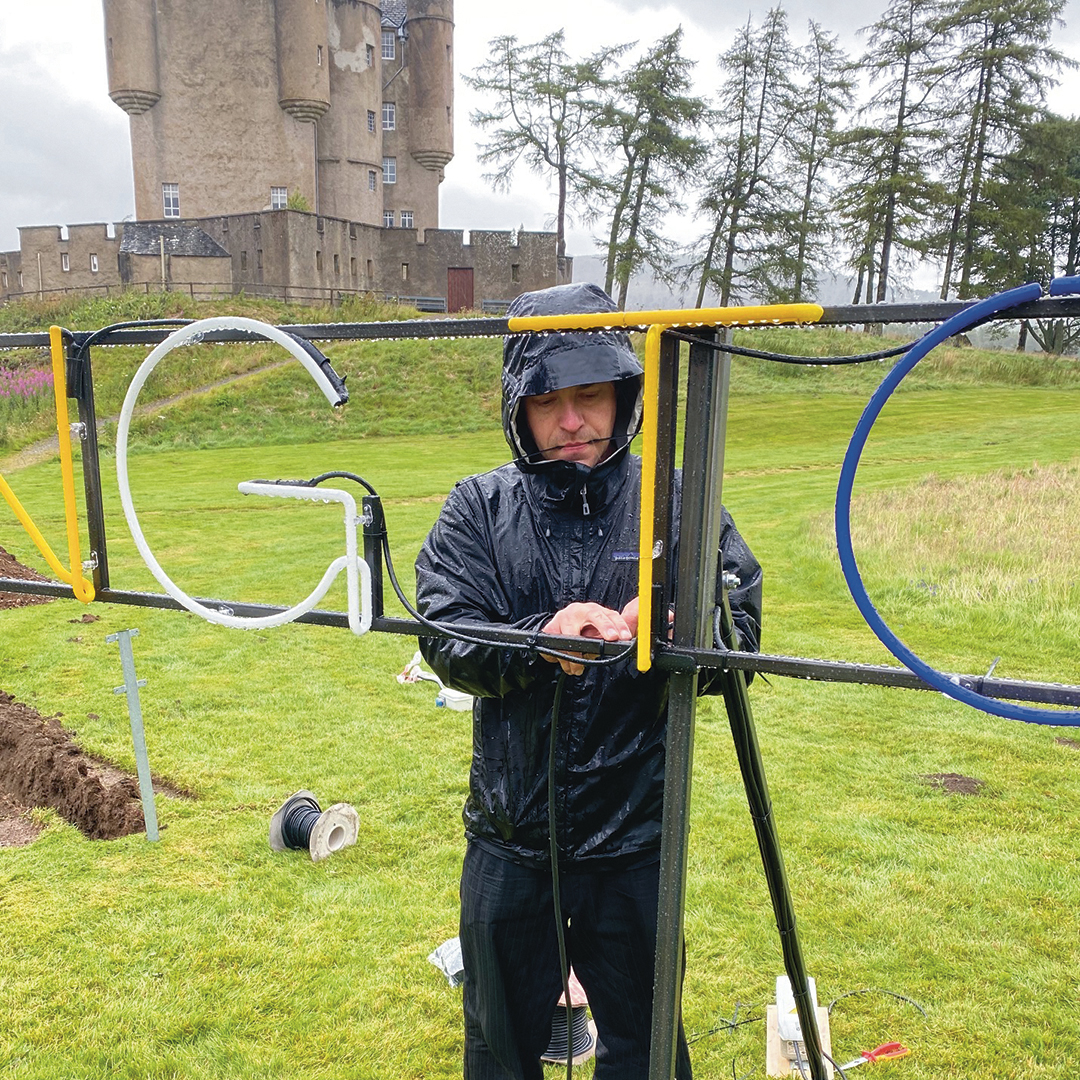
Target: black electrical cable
(786,358)
(93,338)
(553,845)
(315,481)
(875,990)
(449,628)
(727,1025)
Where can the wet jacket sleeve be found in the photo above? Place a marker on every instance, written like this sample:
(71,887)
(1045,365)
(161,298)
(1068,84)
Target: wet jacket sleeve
(457,581)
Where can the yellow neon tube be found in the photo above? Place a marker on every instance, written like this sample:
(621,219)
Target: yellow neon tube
(657,322)
(83,589)
(760,315)
(649,424)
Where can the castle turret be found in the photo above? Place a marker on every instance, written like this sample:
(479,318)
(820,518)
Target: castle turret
(303,58)
(431,82)
(131,51)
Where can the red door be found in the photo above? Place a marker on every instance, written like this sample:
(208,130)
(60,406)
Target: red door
(459,288)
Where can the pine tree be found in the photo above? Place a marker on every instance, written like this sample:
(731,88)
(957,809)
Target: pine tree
(651,127)
(749,186)
(544,114)
(997,73)
(890,193)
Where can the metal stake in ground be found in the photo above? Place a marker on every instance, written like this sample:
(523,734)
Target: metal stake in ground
(138,735)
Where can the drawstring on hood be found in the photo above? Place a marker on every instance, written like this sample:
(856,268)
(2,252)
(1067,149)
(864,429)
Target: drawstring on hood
(543,363)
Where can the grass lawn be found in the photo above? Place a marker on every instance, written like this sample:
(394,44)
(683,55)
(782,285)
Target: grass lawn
(949,920)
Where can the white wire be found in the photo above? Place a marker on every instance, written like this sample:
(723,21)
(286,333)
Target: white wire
(358,574)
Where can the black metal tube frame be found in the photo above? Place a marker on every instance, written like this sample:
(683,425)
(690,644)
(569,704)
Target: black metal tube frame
(693,580)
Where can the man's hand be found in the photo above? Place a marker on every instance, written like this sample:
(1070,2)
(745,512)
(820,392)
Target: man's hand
(591,621)
(630,614)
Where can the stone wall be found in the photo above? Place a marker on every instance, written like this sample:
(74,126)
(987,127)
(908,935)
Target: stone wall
(294,255)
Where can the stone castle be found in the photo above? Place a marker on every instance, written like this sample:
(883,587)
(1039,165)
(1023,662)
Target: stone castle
(285,147)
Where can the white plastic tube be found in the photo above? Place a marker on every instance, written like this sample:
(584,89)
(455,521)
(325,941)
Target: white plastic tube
(358,574)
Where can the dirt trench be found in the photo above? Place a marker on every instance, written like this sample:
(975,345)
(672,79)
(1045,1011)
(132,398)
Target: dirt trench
(42,766)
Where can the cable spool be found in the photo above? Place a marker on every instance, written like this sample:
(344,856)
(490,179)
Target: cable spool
(582,1038)
(300,825)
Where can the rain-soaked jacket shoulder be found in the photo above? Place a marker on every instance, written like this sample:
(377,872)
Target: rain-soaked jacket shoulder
(510,548)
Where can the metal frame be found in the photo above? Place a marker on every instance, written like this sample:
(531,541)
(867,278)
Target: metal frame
(693,580)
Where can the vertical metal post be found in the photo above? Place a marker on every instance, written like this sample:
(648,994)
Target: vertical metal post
(81,387)
(700,525)
(699,540)
(138,734)
(374,532)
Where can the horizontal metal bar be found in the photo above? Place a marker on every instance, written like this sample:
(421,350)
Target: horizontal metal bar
(1046,308)
(840,315)
(319,617)
(668,657)
(674,658)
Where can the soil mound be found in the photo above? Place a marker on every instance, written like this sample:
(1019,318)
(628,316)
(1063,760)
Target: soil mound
(10,567)
(40,765)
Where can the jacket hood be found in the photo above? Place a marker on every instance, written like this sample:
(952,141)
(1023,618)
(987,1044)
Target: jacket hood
(541,363)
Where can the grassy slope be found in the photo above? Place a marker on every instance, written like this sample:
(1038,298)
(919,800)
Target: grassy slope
(222,959)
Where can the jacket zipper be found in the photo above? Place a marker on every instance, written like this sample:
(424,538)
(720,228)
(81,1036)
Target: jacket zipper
(585,500)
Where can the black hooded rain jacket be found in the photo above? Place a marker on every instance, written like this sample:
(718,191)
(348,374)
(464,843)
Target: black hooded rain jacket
(513,546)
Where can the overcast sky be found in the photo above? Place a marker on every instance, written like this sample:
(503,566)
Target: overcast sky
(65,154)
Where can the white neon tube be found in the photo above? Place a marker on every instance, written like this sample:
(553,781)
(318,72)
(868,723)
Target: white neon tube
(358,574)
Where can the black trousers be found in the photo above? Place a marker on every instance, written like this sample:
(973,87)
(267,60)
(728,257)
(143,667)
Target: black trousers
(512,978)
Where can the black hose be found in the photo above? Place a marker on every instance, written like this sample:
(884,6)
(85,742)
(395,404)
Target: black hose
(553,845)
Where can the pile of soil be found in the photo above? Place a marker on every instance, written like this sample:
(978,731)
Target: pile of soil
(10,567)
(40,765)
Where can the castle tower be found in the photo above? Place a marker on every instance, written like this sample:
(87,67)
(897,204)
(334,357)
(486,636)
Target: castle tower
(418,88)
(350,134)
(237,105)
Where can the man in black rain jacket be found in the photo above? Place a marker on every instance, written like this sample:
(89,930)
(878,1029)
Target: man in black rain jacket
(549,543)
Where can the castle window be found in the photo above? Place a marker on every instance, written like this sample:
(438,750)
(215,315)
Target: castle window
(389,170)
(404,271)
(371,179)
(3,279)
(370,270)
(170,197)
(65,261)
(243,262)
(337,264)
(371,56)
(279,198)
(371,120)
(258,258)
(318,261)
(406,219)
(93,263)
(388,219)
(352,267)
(515,271)
(318,56)
(389,116)
(388,51)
